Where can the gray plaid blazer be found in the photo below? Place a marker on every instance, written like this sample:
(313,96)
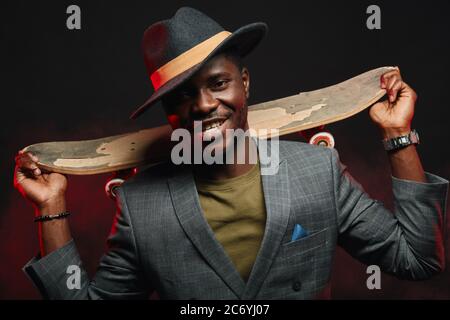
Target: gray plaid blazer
(161,240)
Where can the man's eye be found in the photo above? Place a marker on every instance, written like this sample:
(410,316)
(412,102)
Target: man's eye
(220,83)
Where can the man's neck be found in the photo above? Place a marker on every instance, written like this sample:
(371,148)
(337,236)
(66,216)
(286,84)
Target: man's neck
(228,171)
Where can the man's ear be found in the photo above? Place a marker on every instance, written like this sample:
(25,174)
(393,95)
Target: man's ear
(173,119)
(245,75)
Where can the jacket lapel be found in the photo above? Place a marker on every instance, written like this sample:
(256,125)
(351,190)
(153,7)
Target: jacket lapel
(277,200)
(188,210)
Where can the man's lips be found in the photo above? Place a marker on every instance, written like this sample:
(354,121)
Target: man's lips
(209,123)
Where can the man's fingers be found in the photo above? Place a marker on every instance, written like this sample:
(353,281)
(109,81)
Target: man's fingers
(391,82)
(386,77)
(392,88)
(27,162)
(33,157)
(396,87)
(26,155)
(25,178)
(392,72)
(18,176)
(389,74)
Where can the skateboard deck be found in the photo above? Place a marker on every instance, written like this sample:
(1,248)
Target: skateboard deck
(149,146)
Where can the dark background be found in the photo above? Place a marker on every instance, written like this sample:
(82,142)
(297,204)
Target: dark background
(59,84)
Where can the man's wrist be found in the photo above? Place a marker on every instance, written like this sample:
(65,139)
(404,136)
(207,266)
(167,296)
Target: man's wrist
(53,206)
(389,133)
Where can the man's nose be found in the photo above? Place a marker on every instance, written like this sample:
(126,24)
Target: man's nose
(205,102)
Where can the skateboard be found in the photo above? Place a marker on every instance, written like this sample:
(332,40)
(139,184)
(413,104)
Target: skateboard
(296,113)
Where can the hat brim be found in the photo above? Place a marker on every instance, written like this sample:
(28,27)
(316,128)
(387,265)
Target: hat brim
(244,40)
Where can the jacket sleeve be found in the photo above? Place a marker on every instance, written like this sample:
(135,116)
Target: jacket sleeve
(408,243)
(118,275)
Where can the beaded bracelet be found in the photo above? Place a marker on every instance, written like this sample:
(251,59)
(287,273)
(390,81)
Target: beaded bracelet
(52,217)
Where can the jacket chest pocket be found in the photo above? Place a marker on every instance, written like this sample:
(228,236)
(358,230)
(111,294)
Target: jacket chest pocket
(306,245)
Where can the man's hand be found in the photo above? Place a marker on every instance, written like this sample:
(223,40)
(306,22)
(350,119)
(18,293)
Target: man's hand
(45,190)
(394,115)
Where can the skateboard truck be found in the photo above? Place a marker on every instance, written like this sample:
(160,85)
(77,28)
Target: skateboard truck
(116,180)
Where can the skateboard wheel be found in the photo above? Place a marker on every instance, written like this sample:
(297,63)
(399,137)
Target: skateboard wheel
(111,185)
(322,139)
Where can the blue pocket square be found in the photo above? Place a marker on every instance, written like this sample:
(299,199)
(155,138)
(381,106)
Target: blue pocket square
(298,232)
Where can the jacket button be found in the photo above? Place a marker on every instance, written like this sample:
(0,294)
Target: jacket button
(296,286)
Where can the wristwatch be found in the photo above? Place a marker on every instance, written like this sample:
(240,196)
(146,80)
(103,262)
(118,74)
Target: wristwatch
(401,141)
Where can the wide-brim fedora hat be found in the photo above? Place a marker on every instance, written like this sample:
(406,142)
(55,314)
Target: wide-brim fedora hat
(174,49)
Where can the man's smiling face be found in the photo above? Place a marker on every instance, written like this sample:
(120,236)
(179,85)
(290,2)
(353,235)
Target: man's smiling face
(216,95)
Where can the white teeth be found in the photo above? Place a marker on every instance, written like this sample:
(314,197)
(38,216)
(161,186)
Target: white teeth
(213,125)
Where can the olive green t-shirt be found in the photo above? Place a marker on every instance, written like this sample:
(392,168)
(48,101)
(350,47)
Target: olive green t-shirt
(235,210)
